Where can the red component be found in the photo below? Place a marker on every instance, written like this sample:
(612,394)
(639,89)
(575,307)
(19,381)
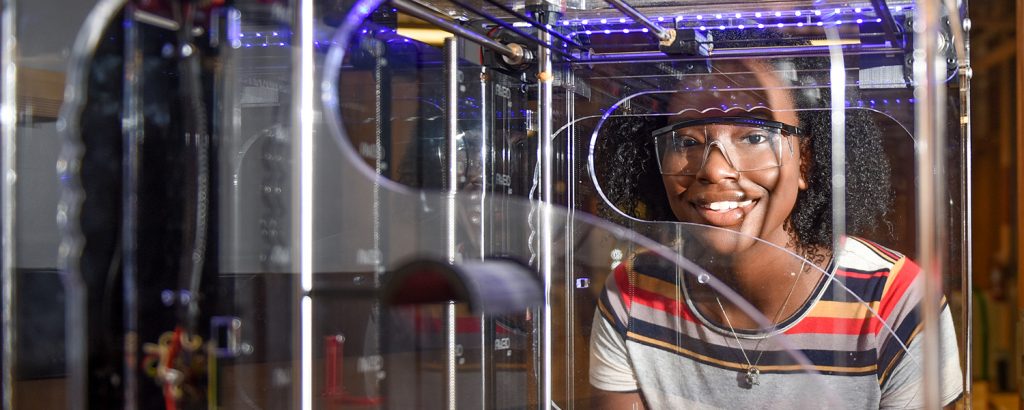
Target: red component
(334,380)
(172,353)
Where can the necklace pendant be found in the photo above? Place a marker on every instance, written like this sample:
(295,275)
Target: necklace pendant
(752,376)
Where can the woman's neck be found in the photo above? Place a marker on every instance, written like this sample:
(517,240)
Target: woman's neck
(774,281)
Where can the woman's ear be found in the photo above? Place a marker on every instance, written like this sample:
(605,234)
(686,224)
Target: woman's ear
(805,165)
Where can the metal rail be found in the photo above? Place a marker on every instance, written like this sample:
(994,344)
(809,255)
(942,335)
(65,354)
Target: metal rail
(892,30)
(658,31)
(451,120)
(514,54)
(535,23)
(507,26)
(932,231)
(799,51)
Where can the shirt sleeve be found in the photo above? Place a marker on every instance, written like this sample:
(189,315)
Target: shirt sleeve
(905,389)
(610,367)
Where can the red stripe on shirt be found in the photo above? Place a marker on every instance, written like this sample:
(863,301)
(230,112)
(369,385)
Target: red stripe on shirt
(902,282)
(832,325)
(860,275)
(656,301)
(623,285)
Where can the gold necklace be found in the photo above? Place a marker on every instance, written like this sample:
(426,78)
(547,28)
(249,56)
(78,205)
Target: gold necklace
(753,373)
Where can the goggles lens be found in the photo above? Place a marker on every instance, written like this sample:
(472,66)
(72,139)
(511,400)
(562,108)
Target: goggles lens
(684,148)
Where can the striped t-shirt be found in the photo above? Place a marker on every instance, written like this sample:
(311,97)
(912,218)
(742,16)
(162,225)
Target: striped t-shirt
(647,338)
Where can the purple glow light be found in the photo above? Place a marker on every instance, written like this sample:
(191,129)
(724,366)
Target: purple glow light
(760,25)
(838,22)
(758,14)
(817,12)
(622,20)
(565,22)
(780,25)
(800,24)
(718,16)
(625,31)
(606,31)
(588,32)
(699,17)
(702,28)
(738,15)
(857,10)
(878,20)
(604,21)
(584,22)
(859,21)
(740,27)
(797,13)
(644,30)
(778,14)
(820,24)
(661,19)
(721,27)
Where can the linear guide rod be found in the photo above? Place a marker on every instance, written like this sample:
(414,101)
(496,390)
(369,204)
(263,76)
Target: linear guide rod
(657,30)
(513,53)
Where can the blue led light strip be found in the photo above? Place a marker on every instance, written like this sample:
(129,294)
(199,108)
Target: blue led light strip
(621,25)
(705,27)
(865,14)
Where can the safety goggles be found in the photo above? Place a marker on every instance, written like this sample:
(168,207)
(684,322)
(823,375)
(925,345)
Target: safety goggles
(752,144)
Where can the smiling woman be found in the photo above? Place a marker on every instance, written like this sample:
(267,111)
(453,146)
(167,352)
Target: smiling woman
(744,162)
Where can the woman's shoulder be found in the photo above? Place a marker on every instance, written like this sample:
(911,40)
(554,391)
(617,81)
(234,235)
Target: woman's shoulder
(872,272)
(861,254)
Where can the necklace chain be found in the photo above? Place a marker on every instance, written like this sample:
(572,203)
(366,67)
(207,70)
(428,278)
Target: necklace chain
(752,371)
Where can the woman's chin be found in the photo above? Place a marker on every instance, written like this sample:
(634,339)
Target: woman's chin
(722,241)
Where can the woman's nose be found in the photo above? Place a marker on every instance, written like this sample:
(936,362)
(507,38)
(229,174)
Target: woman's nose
(717,165)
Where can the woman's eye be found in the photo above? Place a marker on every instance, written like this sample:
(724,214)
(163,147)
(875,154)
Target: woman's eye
(754,139)
(686,142)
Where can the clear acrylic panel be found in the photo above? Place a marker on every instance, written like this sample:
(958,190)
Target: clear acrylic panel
(195,184)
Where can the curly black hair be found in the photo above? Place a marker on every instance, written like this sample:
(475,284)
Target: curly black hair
(626,164)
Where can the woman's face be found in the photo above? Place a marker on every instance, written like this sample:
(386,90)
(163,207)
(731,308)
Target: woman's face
(753,203)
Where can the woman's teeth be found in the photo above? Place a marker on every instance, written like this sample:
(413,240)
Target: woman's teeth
(727,205)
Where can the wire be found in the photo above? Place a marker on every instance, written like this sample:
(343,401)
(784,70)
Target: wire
(170,402)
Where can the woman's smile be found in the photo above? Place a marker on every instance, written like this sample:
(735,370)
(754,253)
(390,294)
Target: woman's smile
(724,213)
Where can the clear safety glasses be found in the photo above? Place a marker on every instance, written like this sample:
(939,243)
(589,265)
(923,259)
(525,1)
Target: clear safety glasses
(751,144)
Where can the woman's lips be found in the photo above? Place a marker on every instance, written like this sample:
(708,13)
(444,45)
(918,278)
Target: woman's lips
(724,213)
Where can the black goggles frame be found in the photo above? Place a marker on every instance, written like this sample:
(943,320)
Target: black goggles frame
(749,121)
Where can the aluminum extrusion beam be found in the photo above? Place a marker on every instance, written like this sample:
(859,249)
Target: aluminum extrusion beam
(513,53)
